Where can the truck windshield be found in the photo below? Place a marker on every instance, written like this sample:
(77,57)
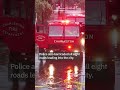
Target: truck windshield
(77,19)
(71,19)
(72,31)
(55,30)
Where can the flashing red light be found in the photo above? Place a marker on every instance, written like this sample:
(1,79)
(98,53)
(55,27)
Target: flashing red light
(65,21)
(69,46)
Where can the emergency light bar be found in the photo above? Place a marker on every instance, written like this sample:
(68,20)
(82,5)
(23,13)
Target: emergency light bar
(63,22)
(75,15)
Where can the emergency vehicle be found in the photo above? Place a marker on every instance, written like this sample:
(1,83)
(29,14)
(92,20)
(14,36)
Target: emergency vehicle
(63,35)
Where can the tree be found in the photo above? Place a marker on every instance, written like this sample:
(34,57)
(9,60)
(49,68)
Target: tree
(81,3)
(43,10)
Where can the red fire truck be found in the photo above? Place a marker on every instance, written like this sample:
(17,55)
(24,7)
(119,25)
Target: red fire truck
(61,35)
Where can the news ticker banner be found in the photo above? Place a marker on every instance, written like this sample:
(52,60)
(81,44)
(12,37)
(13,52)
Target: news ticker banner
(60,56)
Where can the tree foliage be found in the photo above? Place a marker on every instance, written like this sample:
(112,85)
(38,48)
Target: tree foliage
(43,10)
(81,3)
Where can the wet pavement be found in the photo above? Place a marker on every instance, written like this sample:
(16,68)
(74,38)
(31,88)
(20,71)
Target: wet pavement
(41,81)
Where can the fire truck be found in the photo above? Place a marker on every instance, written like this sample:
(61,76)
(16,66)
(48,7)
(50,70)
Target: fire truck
(63,35)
